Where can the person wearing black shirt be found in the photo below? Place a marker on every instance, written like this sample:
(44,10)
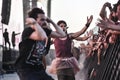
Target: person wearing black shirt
(30,64)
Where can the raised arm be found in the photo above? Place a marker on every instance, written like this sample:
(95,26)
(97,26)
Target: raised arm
(77,34)
(38,33)
(17,33)
(59,32)
(103,13)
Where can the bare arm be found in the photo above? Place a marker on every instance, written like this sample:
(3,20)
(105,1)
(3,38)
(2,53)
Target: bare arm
(59,32)
(82,38)
(115,32)
(39,33)
(108,25)
(113,26)
(103,13)
(85,37)
(77,34)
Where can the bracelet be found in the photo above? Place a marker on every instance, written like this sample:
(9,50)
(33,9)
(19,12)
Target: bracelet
(87,24)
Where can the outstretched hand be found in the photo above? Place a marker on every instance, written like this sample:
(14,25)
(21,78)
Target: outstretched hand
(101,23)
(89,20)
(104,23)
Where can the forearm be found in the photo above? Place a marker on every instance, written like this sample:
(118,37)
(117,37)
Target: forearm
(77,34)
(58,29)
(40,32)
(103,12)
(114,27)
(85,38)
(88,46)
(82,38)
(115,32)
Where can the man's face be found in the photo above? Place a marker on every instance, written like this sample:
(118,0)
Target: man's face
(41,19)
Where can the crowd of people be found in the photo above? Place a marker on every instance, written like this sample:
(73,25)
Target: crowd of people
(108,30)
(38,36)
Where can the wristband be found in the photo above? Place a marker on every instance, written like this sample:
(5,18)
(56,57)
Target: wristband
(87,24)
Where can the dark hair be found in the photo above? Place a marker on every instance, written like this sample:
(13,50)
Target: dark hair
(5,29)
(62,21)
(34,13)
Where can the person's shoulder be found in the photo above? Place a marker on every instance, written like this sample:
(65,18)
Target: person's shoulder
(69,35)
(27,32)
(26,29)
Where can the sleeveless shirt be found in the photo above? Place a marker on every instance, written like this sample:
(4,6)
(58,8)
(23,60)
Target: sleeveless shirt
(63,47)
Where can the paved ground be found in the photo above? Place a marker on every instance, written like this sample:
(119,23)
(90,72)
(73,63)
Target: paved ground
(13,76)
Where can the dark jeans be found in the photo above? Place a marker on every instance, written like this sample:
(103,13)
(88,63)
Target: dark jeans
(33,75)
(65,74)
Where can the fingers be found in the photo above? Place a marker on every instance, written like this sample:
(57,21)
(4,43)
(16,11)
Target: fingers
(91,16)
(100,22)
(90,19)
(101,25)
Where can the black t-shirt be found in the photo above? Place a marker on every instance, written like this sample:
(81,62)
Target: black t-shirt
(49,39)
(25,48)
